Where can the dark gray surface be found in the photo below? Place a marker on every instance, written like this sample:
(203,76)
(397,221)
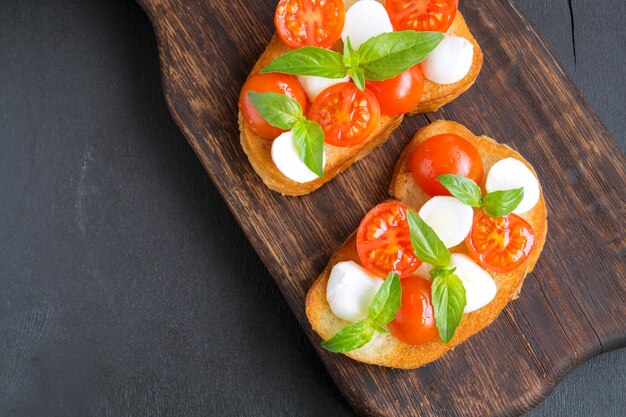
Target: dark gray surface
(126,287)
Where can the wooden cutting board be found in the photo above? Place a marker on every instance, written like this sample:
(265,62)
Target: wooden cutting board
(571,308)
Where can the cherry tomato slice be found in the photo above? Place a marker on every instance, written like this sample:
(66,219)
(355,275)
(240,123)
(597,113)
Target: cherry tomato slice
(309,22)
(383,241)
(444,154)
(347,114)
(399,94)
(415,321)
(421,15)
(264,83)
(500,244)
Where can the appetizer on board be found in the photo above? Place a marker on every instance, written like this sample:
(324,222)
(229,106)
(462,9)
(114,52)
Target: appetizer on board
(440,260)
(338,77)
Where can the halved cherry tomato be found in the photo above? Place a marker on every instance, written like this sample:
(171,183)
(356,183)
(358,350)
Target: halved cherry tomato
(415,321)
(444,154)
(383,241)
(502,243)
(347,114)
(309,22)
(264,83)
(421,15)
(399,94)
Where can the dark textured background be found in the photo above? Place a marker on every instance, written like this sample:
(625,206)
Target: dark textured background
(126,287)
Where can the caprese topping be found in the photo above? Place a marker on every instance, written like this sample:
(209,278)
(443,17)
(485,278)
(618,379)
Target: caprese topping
(511,173)
(436,287)
(299,151)
(444,154)
(309,22)
(500,244)
(450,61)
(350,290)
(383,241)
(268,83)
(347,115)
(364,20)
(387,52)
(422,15)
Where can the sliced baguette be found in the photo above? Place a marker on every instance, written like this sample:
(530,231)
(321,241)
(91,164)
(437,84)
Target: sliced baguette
(258,149)
(385,349)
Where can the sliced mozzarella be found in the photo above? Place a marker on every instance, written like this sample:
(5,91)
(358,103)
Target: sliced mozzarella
(364,20)
(449,218)
(285,156)
(480,288)
(314,85)
(510,173)
(350,291)
(450,61)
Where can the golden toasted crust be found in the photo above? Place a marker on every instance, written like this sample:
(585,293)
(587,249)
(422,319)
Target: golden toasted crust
(338,159)
(385,349)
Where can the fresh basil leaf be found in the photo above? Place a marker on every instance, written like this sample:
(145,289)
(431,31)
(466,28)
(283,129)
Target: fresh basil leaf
(350,338)
(386,302)
(426,244)
(462,188)
(449,302)
(442,271)
(308,138)
(379,328)
(389,54)
(309,60)
(277,109)
(350,56)
(501,203)
(358,76)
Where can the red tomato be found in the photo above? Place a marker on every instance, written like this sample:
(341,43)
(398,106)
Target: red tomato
(415,322)
(264,83)
(500,244)
(383,241)
(309,22)
(347,114)
(444,154)
(421,15)
(399,94)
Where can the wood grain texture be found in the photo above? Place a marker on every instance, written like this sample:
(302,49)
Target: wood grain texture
(571,307)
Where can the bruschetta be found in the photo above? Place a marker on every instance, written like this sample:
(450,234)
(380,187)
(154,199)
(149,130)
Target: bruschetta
(482,203)
(429,73)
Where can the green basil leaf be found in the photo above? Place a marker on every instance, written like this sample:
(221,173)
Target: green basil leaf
(386,302)
(442,271)
(309,60)
(350,338)
(388,54)
(350,56)
(379,328)
(449,302)
(426,244)
(308,138)
(462,188)
(277,109)
(358,76)
(501,203)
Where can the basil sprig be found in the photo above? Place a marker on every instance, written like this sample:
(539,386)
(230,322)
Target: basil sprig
(494,204)
(379,58)
(285,113)
(383,309)
(448,291)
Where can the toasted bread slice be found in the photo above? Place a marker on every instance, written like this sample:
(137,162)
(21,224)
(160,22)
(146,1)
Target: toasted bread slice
(385,349)
(338,159)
